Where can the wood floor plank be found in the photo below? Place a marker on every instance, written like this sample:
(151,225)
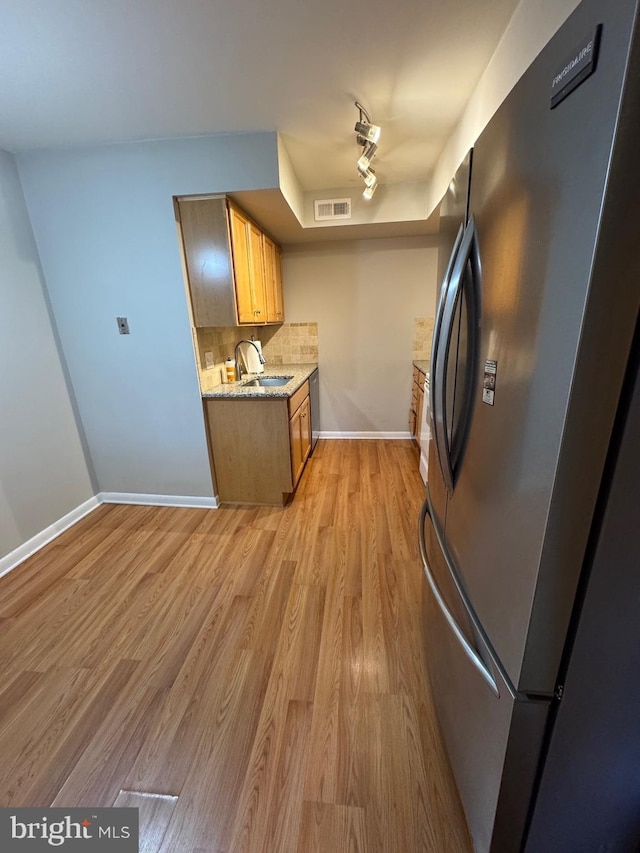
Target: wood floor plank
(41,572)
(284,814)
(332,829)
(321,781)
(306,608)
(352,682)
(30,745)
(175,741)
(15,694)
(313,562)
(209,797)
(255,678)
(376,653)
(268,605)
(99,773)
(23,642)
(154,813)
(97,693)
(291,654)
(445,809)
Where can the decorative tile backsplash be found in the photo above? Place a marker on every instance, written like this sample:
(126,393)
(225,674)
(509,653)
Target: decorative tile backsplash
(422,335)
(290,343)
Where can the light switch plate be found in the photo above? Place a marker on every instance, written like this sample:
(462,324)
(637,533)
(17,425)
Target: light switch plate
(123,325)
(208,359)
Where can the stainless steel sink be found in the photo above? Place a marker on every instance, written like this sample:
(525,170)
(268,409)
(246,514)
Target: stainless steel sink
(267,381)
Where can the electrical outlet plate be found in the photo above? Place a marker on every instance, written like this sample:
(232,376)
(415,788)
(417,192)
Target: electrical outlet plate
(208,359)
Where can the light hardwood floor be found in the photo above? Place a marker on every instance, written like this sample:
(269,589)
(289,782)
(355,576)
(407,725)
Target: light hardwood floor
(253,679)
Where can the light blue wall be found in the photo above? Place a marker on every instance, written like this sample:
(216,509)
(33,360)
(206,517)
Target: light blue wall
(104,224)
(43,472)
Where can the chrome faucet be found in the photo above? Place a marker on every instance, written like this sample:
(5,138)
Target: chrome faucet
(238,368)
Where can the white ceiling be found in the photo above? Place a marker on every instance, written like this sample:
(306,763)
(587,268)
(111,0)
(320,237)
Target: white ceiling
(76,72)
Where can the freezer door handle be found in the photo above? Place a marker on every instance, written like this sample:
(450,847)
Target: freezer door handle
(436,343)
(467,254)
(467,648)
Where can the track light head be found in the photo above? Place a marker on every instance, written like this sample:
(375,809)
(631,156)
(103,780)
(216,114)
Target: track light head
(369,191)
(367,156)
(369,178)
(367,132)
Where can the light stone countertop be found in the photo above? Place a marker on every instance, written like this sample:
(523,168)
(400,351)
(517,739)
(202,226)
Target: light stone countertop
(236,390)
(422,365)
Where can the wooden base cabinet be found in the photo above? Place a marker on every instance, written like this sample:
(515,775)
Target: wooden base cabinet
(259,447)
(300,437)
(233,268)
(417,402)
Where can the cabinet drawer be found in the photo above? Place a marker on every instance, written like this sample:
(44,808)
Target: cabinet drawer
(296,400)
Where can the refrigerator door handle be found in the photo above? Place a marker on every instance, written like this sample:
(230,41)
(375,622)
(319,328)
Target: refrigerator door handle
(468,252)
(467,648)
(436,343)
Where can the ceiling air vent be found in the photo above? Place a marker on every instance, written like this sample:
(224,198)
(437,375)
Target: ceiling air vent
(332,208)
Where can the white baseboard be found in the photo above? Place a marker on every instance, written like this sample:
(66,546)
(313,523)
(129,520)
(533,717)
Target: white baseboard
(159,500)
(365,435)
(19,554)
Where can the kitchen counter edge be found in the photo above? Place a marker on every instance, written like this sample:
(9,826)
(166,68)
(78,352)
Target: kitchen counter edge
(237,391)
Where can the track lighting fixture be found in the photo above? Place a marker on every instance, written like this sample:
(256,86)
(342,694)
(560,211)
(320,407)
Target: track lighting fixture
(368,136)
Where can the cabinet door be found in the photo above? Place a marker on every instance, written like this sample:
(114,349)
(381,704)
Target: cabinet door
(207,257)
(239,226)
(269,278)
(305,429)
(279,301)
(256,262)
(295,434)
(413,410)
(419,415)
(273,281)
(412,423)
(300,435)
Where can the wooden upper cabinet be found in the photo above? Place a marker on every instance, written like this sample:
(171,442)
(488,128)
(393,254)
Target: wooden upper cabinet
(256,273)
(230,280)
(279,292)
(239,226)
(208,262)
(273,281)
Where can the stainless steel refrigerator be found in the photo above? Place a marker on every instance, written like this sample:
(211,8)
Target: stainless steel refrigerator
(529,533)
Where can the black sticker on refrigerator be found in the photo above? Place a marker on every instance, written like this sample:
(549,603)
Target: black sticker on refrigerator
(579,65)
(489,382)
